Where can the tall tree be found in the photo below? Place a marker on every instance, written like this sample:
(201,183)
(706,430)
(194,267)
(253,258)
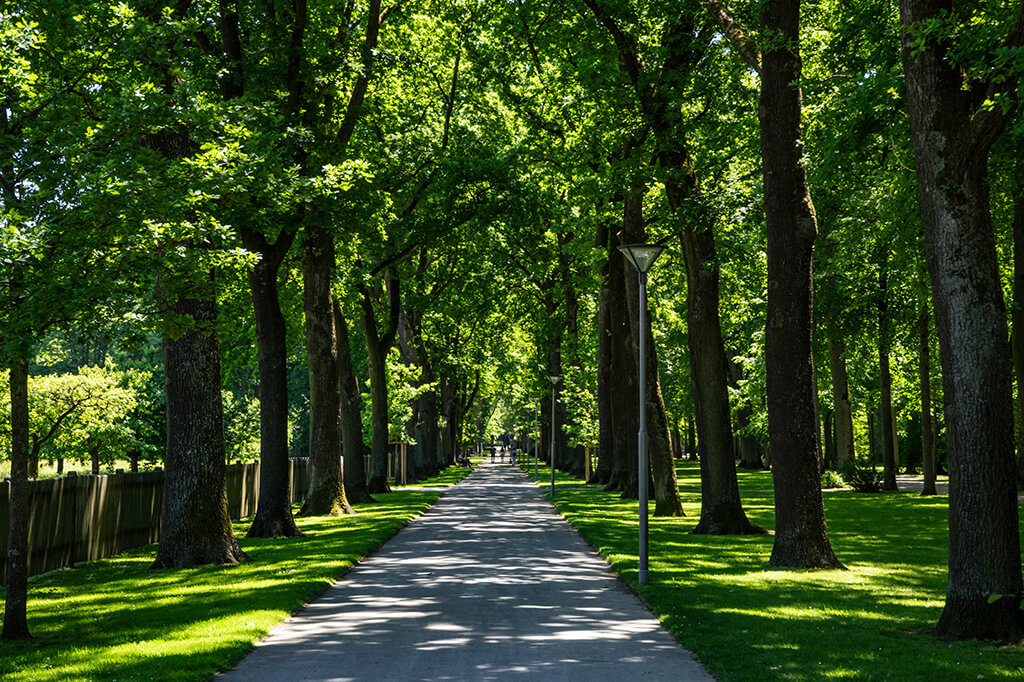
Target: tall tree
(351,406)
(658,90)
(16,595)
(956,104)
(326,493)
(885,380)
(924,374)
(273,510)
(378,345)
(196,526)
(801,537)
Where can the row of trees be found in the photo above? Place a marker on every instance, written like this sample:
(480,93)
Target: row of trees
(452,180)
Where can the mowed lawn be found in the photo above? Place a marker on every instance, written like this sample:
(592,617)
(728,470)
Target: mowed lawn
(117,619)
(745,621)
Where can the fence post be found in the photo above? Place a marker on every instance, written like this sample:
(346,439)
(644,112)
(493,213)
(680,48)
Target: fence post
(71,481)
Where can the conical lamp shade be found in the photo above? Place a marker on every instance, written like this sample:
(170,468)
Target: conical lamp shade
(642,256)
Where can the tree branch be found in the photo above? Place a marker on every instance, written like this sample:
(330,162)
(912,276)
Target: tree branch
(987,124)
(741,42)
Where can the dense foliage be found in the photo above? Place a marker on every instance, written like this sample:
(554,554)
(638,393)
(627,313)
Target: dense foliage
(458,162)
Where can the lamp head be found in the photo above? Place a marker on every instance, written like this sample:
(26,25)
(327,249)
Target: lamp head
(642,256)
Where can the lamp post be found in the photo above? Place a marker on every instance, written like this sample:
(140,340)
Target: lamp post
(642,257)
(553,378)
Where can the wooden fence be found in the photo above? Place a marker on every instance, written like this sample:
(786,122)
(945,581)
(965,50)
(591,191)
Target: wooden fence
(81,518)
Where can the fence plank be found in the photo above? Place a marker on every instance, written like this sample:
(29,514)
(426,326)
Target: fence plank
(82,518)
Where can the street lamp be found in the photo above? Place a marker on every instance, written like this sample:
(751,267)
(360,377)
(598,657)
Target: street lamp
(553,378)
(642,257)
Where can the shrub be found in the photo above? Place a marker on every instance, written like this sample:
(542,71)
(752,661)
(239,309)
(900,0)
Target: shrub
(863,476)
(832,479)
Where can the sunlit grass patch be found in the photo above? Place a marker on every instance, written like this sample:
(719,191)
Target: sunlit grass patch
(118,619)
(747,621)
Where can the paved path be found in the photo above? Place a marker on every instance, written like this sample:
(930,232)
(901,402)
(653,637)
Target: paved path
(490,584)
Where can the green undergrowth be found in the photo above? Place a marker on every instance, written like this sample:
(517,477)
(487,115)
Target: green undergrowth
(118,619)
(745,621)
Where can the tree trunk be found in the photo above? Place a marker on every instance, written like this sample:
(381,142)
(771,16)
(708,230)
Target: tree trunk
(356,491)
(378,345)
(843,432)
(273,510)
(33,457)
(326,494)
(1017,319)
(801,538)
(605,448)
(691,440)
(16,595)
(885,384)
(953,133)
(872,448)
(625,416)
(418,466)
(927,437)
(377,362)
(666,488)
(427,435)
(449,410)
(196,526)
(94,455)
(828,428)
(573,463)
(721,512)
(747,446)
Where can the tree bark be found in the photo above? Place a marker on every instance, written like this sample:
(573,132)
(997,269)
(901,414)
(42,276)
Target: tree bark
(666,488)
(356,491)
(378,345)
(801,538)
(953,131)
(605,449)
(196,526)
(885,386)
(16,595)
(721,510)
(273,510)
(1017,320)
(924,373)
(573,463)
(449,409)
(829,430)
(844,446)
(326,494)
(747,446)
(417,461)
(625,417)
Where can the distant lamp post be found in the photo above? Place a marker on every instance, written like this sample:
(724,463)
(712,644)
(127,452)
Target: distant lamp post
(553,378)
(642,257)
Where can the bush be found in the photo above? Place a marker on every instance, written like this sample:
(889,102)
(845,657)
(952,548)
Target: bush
(832,479)
(863,477)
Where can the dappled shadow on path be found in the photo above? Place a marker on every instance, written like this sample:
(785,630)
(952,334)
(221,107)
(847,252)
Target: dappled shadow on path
(490,584)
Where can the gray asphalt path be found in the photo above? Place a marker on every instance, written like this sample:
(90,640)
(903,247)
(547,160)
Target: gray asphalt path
(489,584)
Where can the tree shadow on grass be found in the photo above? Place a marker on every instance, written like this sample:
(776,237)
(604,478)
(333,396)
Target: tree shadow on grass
(119,618)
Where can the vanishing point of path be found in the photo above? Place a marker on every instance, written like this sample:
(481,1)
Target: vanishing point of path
(489,584)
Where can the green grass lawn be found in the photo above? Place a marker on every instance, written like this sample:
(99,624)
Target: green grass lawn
(118,619)
(745,621)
